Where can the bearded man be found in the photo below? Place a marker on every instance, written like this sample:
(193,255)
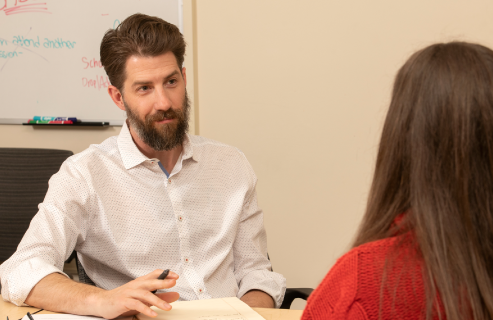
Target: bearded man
(152,198)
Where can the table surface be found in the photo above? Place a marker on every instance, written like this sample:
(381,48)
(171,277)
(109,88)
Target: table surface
(14,312)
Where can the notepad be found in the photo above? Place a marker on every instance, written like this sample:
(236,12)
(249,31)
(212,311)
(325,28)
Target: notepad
(63,316)
(210,309)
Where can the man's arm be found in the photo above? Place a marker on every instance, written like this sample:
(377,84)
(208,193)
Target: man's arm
(258,299)
(56,292)
(258,285)
(52,234)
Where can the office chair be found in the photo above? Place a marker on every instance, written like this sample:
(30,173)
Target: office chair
(293,293)
(83,277)
(24,181)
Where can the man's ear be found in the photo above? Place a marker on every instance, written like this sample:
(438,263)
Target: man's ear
(116,96)
(184,75)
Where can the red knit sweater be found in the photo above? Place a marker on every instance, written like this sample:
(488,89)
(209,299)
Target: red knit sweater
(352,288)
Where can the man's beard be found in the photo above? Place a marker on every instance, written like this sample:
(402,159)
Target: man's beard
(166,136)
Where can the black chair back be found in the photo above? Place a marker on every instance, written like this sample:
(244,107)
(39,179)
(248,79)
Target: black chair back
(24,175)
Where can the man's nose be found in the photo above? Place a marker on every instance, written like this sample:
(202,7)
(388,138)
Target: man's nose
(163,101)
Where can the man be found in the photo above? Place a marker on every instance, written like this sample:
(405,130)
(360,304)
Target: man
(152,198)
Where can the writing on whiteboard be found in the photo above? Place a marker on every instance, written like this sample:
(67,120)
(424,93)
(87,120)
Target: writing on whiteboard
(58,43)
(9,54)
(35,42)
(22,6)
(92,63)
(98,82)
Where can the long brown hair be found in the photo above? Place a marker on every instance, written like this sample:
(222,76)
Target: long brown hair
(435,162)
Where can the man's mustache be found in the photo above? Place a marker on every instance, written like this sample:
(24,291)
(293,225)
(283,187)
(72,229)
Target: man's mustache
(161,115)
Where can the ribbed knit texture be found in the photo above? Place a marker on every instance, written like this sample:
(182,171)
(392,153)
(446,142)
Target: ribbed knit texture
(353,287)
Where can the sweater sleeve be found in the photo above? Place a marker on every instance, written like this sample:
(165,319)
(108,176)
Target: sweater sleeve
(335,297)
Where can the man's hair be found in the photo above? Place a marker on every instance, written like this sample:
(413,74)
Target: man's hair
(435,164)
(139,35)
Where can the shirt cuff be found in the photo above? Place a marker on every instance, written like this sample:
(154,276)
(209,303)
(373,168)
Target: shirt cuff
(17,285)
(272,283)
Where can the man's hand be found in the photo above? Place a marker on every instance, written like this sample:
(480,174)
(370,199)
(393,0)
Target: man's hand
(60,294)
(136,296)
(258,299)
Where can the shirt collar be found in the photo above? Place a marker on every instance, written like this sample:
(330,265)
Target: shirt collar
(189,150)
(131,155)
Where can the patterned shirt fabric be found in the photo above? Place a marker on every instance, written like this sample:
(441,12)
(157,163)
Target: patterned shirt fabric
(125,218)
(353,288)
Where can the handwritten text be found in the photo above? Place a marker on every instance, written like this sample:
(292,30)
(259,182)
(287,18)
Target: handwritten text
(25,42)
(98,83)
(93,63)
(9,54)
(58,43)
(35,42)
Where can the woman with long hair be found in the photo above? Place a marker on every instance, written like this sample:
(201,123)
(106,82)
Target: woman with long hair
(424,249)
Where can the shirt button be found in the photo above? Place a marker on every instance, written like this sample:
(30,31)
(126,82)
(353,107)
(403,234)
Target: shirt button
(180,218)
(200,290)
(186,259)
(169,181)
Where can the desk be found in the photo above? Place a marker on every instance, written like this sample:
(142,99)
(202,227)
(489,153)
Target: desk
(14,312)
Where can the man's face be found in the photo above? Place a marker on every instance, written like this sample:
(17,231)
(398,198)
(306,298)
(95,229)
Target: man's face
(156,101)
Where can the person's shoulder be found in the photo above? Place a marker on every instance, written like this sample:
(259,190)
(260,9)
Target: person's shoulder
(342,291)
(393,265)
(90,156)
(348,268)
(337,291)
(203,142)
(381,246)
(205,146)
(370,249)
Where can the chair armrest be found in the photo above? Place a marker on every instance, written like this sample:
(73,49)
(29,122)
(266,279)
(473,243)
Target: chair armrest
(295,293)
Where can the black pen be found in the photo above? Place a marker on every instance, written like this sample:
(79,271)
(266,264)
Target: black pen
(30,316)
(162,276)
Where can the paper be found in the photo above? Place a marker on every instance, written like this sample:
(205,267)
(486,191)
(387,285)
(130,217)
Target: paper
(64,316)
(210,309)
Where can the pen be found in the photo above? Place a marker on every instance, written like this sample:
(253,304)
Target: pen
(30,316)
(162,276)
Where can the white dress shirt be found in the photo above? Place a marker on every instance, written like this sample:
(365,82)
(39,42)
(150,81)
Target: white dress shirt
(126,218)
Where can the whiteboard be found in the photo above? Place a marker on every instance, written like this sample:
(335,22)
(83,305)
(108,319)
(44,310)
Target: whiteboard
(49,56)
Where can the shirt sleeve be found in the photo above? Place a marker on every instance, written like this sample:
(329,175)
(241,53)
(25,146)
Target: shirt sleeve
(335,297)
(252,267)
(51,237)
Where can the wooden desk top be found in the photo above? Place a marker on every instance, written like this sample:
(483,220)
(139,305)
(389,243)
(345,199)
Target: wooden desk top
(14,312)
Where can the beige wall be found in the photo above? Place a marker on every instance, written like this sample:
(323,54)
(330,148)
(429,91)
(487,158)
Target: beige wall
(301,87)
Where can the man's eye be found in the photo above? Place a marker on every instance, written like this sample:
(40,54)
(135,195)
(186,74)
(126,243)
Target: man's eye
(172,81)
(144,88)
